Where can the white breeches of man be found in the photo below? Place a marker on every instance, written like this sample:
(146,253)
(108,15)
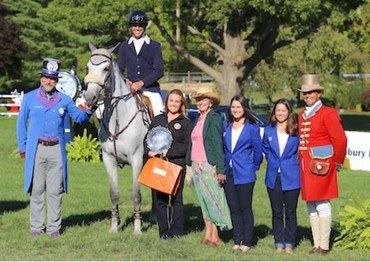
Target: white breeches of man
(156,100)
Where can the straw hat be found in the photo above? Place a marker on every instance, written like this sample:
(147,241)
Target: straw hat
(310,83)
(208,92)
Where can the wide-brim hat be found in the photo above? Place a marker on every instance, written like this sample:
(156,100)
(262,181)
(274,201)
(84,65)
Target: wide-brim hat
(208,92)
(311,82)
(50,68)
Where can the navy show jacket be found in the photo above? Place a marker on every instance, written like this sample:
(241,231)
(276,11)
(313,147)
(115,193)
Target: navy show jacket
(146,66)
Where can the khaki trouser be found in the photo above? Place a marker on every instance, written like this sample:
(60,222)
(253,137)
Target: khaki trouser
(47,177)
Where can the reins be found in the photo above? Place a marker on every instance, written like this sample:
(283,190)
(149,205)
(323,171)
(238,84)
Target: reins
(113,101)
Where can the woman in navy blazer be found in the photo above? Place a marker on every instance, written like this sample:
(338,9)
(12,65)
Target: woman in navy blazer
(243,157)
(280,145)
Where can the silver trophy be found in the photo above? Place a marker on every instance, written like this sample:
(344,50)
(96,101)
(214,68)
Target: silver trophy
(159,139)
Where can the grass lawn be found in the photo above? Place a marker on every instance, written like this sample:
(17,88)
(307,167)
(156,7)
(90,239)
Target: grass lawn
(86,219)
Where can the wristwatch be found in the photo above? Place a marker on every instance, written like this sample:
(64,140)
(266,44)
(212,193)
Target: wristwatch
(68,84)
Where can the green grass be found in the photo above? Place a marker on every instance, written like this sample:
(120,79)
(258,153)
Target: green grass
(86,219)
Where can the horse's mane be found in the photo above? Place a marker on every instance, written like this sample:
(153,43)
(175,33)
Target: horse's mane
(115,72)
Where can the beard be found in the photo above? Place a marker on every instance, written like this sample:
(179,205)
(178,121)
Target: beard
(49,88)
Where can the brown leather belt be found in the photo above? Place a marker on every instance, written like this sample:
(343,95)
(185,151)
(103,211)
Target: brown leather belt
(48,143)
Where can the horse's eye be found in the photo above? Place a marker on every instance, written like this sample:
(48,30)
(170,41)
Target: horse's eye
(106,69)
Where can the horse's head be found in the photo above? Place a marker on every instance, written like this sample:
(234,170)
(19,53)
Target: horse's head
(98,73)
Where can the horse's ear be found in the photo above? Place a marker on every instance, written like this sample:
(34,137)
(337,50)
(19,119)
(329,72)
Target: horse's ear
(91,47)
(111,50)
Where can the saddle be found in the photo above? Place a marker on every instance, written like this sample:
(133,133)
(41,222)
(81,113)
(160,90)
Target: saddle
(145,105)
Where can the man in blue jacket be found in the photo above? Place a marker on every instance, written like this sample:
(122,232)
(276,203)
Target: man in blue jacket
(140,59)
(41,141)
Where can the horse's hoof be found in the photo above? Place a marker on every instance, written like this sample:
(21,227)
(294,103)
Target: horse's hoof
(137,227)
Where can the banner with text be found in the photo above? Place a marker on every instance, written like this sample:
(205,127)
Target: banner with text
(358,150)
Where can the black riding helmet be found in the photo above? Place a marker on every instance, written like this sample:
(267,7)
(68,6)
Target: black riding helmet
(138,17)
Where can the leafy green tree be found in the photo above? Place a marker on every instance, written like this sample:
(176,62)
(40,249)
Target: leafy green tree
(360,31)
(11,46)
(267,78)
(325,52)
(46,35)
(225,39)
(240,34)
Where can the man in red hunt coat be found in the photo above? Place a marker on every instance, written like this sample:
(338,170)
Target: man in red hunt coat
(322,151)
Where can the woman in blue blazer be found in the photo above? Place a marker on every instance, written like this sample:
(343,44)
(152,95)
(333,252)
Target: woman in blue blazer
(280,145)
(243,157)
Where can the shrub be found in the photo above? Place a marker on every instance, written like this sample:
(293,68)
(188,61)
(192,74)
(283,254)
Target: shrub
(346,163)
(84,148)
(358,108)
(354,222)
(365,99)
(346,94)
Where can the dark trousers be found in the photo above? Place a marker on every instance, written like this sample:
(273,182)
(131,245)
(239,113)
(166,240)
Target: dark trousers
(170,212)
(239,199)
(284,203)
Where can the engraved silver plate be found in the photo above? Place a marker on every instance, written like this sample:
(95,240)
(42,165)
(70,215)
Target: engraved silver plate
(159,139)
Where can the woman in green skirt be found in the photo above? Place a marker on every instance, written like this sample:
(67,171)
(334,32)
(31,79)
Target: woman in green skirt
(206,157)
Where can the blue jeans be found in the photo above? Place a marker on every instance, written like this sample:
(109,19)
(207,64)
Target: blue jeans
(284,202)
(239,199)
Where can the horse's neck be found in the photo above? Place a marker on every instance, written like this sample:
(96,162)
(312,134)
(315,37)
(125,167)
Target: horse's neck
(120,90)
(118,84)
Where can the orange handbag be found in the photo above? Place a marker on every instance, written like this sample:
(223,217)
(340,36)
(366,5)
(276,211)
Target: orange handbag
(161,175)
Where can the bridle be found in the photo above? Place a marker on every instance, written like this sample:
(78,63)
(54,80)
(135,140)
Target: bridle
(105,97)
(97,59)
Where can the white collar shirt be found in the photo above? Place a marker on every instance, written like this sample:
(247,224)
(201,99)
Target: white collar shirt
(138,43)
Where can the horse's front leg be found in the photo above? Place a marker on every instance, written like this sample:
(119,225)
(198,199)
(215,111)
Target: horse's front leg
(136,193)
(111,168)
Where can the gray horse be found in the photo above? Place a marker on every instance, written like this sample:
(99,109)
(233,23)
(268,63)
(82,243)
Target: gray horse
(123,126)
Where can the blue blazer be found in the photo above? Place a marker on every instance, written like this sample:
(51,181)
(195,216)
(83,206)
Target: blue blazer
(35,120)
(247,155)
(288,161)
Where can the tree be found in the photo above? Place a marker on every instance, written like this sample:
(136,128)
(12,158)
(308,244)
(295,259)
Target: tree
(225,39)
(104,23)
(240,34)
(48,33)
(325,52)
(11,46)
(360,31)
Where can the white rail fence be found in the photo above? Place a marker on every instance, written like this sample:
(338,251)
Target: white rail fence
(11,102)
